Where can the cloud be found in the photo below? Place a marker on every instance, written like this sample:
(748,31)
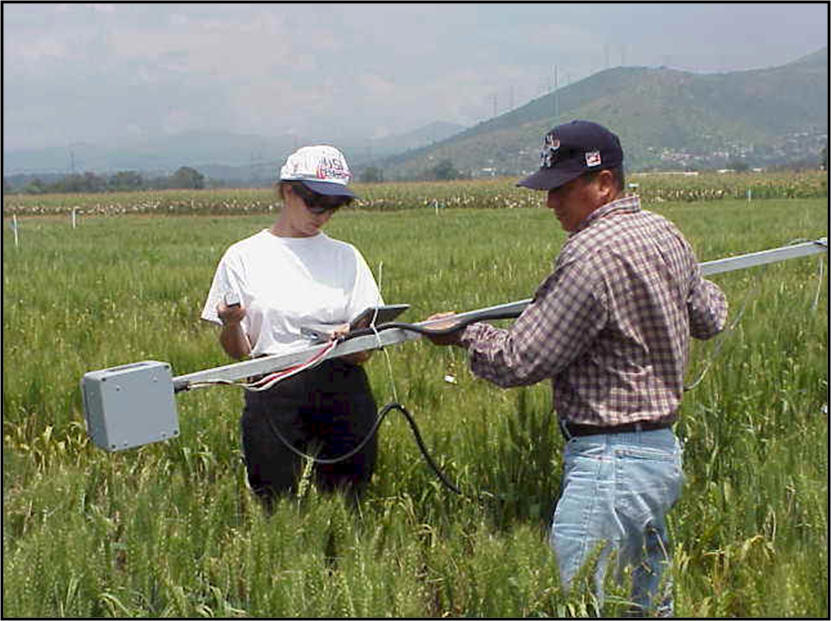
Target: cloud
(374,85)
(101,8)
(107,72)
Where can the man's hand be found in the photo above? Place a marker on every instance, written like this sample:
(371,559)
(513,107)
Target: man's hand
(453,338)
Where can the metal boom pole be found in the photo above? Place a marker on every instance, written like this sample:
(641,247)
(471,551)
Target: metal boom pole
(394,336)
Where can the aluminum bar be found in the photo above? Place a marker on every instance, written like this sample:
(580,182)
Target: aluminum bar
(268,364)
(393,336)
(765,256)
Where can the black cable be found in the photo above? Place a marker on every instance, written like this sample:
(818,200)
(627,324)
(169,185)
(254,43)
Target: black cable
(460,322)
(381,415)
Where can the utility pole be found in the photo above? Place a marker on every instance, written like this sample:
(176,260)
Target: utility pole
(556,97)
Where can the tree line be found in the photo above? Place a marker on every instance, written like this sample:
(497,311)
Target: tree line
(443,171)
(188,178)
(185,178)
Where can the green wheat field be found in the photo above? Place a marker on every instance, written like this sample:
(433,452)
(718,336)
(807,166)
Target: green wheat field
(171,530)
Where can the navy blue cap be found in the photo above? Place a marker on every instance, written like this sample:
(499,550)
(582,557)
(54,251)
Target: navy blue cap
(573,149)
(329,189)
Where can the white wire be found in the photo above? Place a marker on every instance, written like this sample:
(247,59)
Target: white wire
(380,275)
(378,336)
(819,285)
(389,363)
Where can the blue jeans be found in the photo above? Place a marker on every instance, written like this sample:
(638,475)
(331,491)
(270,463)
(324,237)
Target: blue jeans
(617,490)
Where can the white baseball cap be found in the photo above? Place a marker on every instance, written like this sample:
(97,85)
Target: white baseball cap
(321,168)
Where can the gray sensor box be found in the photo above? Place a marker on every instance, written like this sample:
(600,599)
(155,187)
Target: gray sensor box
(130,405)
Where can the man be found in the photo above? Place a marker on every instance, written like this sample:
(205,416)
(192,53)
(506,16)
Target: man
(610,327)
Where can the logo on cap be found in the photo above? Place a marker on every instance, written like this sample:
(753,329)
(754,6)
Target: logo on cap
(549,150)
(333,169)
(593,158)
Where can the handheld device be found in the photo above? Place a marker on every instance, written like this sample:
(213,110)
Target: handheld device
(381,314)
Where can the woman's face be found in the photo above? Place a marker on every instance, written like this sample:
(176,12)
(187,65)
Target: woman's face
(299,218)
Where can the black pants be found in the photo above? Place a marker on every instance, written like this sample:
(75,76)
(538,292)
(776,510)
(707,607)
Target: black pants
(326,412)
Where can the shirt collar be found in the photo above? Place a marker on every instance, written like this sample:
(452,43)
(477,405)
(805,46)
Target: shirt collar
(627,204)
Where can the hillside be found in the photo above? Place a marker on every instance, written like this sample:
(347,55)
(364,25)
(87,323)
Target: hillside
(666,119)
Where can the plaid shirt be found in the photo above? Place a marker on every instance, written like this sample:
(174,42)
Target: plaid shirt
(611,324)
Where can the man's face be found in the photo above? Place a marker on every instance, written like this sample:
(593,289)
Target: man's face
(573,202)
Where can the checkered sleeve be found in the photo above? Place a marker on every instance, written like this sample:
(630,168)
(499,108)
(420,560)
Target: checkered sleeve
(707,307)
(567,312)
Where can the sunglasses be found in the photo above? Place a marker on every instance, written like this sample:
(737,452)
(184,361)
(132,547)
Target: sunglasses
(320,203)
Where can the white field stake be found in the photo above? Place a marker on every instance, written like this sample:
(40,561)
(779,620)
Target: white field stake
(14,228)
(132,405)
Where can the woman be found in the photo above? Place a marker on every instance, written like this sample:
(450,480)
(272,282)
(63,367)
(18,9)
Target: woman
(285,278)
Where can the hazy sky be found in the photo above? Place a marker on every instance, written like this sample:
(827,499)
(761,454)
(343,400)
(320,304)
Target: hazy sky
(113,73)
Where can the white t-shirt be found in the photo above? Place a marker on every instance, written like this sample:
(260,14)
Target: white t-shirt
(286,283)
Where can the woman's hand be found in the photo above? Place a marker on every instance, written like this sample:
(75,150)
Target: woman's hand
(359,357)
(232,337)
(230,315)
(339,332)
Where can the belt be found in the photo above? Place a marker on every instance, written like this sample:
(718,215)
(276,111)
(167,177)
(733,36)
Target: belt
(575,430)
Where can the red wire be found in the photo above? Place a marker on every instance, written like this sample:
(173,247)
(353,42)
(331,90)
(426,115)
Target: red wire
(287,370)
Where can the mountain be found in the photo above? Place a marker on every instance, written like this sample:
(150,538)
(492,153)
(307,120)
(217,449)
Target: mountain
(434,132)
(154,155)
(665,118)
(245,158)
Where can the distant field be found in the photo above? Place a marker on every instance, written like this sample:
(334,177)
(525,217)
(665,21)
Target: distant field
(170,529)
(490,193)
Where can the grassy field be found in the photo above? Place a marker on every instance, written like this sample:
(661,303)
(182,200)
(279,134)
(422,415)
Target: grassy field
(170,529)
